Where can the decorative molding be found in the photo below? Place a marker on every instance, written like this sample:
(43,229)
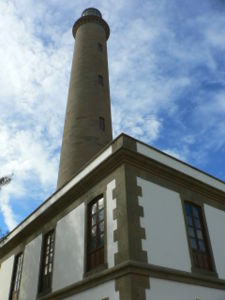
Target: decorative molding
(135,213)
(111,223)
(92,19)
(133,286)
(141,271)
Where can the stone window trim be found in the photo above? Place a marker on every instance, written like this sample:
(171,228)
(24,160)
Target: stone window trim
(194,269)
(46,262)
(16,276)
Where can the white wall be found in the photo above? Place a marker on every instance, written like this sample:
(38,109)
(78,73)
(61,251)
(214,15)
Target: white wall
(98,293)
(5,277)
(69,249)
(30,271)
(170,290)
(56,196)
(112,247)
(215,219)
(179,166)
(166,242)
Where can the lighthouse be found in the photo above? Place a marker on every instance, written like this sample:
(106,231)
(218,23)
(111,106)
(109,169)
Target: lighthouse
(88,125)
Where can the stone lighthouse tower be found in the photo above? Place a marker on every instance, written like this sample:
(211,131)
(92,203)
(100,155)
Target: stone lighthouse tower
(88,125)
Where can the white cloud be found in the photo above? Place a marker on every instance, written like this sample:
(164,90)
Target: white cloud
(152,127)
(33,88)
(6,210)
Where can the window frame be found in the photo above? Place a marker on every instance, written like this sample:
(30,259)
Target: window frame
(43,291)
(195,269)
(100,47)
(101,80)
(102,124)
(102,265)
(14,275)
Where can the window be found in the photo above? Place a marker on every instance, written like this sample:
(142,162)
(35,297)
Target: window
(47,262)
(16,277)
(197,237)
(102,123)
(100,80)
(95,251)
(100,47)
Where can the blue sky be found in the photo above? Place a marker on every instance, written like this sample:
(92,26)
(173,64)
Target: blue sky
(167,82)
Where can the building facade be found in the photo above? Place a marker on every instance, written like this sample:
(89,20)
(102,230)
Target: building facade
(132,223)
(135,223)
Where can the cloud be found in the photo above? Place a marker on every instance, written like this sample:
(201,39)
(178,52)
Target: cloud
(166,77)
(6,210)
(34,79)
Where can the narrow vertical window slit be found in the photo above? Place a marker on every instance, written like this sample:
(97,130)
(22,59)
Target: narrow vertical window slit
(101,80)
(102,123)
(100,47)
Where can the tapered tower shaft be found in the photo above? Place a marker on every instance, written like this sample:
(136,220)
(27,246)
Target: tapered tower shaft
(88,125)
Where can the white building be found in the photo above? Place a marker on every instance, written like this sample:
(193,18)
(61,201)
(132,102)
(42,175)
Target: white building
(154,248)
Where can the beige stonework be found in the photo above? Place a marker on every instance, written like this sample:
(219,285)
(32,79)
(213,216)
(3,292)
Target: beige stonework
(88,99)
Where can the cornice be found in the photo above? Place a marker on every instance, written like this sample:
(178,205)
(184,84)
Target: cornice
(91,19)
(158,169)
(123,154)
(137,268)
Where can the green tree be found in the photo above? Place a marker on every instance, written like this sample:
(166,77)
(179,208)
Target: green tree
(4,181)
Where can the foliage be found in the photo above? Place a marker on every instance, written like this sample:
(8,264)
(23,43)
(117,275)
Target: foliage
(5,180)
